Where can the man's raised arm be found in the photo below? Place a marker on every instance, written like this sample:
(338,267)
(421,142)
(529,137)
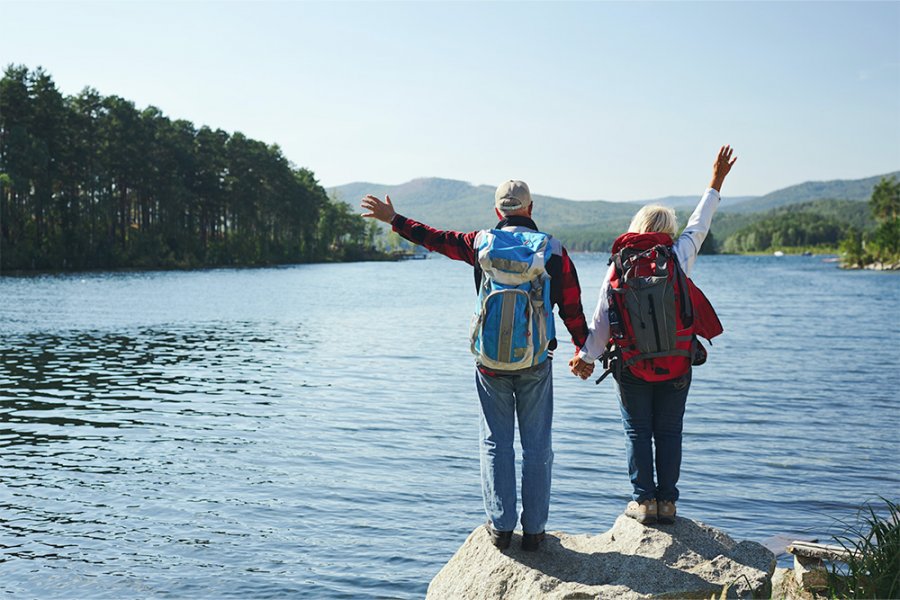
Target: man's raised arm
(452,244)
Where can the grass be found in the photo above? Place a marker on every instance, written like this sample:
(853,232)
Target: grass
(873,568)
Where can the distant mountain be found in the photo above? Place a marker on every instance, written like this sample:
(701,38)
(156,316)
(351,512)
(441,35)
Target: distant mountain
(592,225)
(839,189)
(686,201)
(849,212)
(447,203)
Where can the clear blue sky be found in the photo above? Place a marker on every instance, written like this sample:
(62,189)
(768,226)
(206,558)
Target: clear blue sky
(602,100)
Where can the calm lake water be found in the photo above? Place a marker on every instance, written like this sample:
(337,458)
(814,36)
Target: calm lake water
(311,431)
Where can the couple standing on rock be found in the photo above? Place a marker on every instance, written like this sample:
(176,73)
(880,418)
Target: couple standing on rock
(644,329)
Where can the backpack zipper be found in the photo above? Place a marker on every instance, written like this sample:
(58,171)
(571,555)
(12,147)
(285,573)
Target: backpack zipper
(655,323)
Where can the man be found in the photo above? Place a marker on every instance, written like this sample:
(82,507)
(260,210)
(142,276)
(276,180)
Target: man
(505,395)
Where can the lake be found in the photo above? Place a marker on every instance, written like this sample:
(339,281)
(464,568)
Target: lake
(311,431)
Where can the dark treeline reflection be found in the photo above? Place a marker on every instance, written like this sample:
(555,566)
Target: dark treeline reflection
(89,181)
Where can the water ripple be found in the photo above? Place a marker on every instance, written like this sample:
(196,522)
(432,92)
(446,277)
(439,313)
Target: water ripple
(237,433)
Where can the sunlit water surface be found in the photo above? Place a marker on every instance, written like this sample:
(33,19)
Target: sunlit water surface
(311,431)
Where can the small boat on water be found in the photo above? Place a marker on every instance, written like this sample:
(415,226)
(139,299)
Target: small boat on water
(779,253)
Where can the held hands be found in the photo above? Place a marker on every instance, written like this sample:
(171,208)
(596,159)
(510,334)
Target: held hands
(383,211)
(721,167)
(581,368)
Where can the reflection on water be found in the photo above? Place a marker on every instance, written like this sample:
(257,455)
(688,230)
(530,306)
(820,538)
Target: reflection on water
(49,382)
(311,431)
(112,442)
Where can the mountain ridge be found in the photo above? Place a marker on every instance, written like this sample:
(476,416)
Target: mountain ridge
(427,190)
(462,206)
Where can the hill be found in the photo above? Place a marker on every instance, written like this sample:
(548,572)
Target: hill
(685,202)
(448,203)
(839,189)
(592,225)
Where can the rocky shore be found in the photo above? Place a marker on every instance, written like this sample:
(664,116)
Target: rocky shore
(685,560)
(873,266)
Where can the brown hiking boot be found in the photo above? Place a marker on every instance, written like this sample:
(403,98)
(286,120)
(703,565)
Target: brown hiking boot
(642,512)
(666,512)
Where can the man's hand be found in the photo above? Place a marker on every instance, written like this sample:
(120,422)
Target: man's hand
(581,368)
(722,167)
(383,211)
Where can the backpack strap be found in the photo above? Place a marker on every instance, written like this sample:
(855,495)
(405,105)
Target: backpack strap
(684,292)
(612,363)
(649,355)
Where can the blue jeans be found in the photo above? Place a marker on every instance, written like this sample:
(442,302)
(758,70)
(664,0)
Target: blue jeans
(652,413)
(529,396)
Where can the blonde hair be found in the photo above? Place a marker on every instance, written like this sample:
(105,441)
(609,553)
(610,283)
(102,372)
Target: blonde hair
(654,218)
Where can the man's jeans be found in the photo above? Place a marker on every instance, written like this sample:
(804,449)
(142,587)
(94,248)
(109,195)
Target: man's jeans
(528,396)
(653,413)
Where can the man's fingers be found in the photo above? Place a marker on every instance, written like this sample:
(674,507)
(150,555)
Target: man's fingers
(387,199)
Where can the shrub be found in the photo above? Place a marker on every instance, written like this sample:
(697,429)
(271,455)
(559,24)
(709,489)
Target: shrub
(873,566)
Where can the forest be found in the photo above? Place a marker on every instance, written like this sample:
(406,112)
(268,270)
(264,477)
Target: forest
(93,182)
(881,244)
(865,232)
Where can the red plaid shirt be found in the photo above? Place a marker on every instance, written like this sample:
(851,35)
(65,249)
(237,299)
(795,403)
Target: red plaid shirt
(565,291)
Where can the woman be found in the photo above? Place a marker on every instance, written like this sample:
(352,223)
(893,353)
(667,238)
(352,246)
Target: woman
(652,389)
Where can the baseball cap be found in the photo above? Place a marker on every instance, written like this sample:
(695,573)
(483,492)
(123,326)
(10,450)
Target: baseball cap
(512,195)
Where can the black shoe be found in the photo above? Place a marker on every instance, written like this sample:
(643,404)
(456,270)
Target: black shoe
(532,541)
(500,539)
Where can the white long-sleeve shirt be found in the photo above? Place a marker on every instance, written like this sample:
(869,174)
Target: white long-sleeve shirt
(686,248)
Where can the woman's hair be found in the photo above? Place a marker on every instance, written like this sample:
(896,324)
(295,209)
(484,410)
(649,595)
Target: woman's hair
(654,218)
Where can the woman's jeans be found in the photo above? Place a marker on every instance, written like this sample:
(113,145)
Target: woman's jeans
(528,397)
(652,413)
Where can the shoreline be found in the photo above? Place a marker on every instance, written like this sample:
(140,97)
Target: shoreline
(872,266)
(379,257)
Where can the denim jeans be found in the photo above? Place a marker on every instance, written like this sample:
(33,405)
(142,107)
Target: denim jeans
(652,414)
(528,398)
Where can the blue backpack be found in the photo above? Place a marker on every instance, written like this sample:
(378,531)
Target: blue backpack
(513,325)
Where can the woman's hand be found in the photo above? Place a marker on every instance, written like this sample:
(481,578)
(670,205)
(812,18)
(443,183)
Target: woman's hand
(722,167)
(383,211)
(581,368)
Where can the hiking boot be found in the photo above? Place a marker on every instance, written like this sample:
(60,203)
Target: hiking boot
(532,541)
(500,539)
(642,512)
(666,512)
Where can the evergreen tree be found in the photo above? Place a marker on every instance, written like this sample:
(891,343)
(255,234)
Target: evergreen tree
(93,182)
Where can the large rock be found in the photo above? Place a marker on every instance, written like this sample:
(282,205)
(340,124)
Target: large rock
(685,560)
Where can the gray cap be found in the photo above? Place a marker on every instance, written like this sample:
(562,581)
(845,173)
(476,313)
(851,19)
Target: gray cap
(511,196)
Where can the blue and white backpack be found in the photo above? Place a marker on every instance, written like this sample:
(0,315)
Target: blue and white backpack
(513,325)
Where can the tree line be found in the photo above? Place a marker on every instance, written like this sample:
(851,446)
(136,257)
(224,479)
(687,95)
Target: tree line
(865,232)
(91,181)
(881,244)
(787,230)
